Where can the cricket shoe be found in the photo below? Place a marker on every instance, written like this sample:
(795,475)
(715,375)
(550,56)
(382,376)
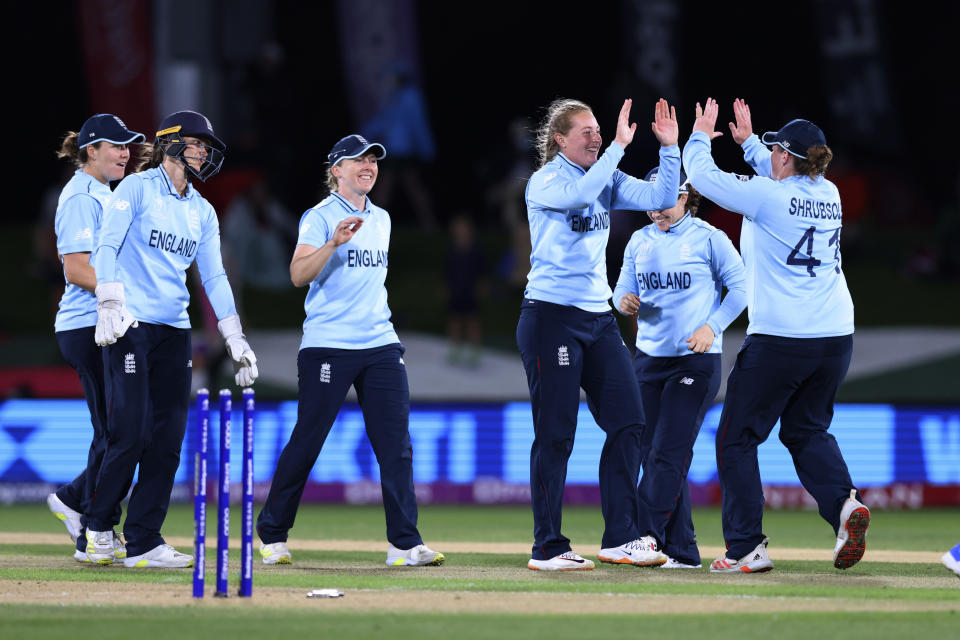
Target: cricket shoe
(80,556)
(951,560)
(119,547)
(418,556)
(162,556)
(643,552)
(69,517)
(673,563)
(275,553)
(757,561)
(99,547)
(568,561)
(852,537)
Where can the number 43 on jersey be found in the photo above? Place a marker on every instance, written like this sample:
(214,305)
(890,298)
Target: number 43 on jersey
(803,256)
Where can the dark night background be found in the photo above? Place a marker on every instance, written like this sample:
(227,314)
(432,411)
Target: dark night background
(482,66)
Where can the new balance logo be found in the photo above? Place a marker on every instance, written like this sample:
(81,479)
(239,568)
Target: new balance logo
(563,356)
(129,363)
(325,372)
(402,362)
(686,381)
(83,234)
(190,364)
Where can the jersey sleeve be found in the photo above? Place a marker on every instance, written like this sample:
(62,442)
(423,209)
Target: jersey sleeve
(740,194)
(634,194)
(555,190)
(627,282)
(728,269)
(210,265)
(117,218)
(757,155)
(314,230)
(76,224)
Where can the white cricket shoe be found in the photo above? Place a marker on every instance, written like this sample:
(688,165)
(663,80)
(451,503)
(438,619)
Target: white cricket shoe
(275,553)
(80,556)
(568,561)
(418,556)
(100,547)
(69,517)
(119,547)
(162,556)
(852,536)
(951,560)
(757,561)
(673,563)
(643,552)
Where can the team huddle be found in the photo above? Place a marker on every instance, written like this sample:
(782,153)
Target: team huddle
(123,325)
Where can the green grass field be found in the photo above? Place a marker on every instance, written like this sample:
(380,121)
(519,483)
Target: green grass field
(44,593)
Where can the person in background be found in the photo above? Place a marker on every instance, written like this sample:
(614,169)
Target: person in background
(348,340)
(464,269)
(672,277)
(156,225)
(567,334)
(800,336)
(100,152)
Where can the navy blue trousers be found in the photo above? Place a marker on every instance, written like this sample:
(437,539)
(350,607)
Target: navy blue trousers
(563,349)
(82,353)
(794,380)
(147,373)
(676,393)
(380,378)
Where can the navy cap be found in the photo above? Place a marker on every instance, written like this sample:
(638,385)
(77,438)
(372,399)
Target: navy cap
(354,146)
(684,183)
(193,124)
(106,127)
(796,137)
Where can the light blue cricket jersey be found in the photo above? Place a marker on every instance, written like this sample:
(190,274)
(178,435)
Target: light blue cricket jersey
(346,304)
(678,274)
(569,213)
(149,238)
(790,242)
(77,225)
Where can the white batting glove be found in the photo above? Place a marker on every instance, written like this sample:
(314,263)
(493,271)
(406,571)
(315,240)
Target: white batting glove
(113,317)
(244,360)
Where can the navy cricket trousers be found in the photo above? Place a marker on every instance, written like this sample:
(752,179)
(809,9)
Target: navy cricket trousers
(676,393)
(563,349)
(82,353)
(325,375)
(794,380)
(148,374)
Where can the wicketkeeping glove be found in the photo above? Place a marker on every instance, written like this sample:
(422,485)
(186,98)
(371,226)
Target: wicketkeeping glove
(113,317)
(244,360)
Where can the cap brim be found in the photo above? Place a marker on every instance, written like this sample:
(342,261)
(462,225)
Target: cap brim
(380,155)
(134,138)
(769,138)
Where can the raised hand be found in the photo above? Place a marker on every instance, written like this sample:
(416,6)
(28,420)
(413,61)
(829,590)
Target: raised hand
(625,130)
(743,129)
(707,119)
(346,229)
(664,125)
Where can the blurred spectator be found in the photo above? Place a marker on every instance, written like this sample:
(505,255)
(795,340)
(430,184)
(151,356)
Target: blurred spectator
(465,270)
(259,235)
(46,264)
(403,126)
(506,196)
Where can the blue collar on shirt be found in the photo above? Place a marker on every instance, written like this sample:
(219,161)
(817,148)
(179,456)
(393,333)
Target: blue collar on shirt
(675,227)
(570,162)
(187,194)
(346,204)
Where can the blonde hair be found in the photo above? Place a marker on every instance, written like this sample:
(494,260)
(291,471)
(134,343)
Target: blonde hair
(559,119)
(71,150)
(151,156)
(332,184)
(816,163)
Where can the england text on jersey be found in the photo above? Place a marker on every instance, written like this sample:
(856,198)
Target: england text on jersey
(172,243)
(597,222)
(668,280)
(366,258)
